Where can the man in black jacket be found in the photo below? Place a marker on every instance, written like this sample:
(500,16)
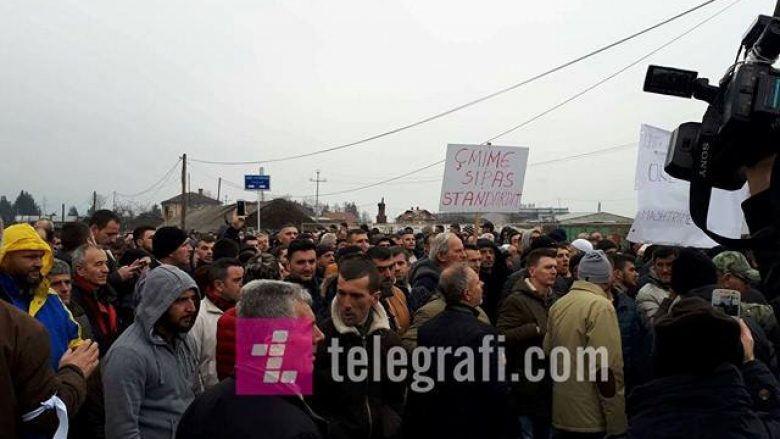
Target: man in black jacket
(454,408)
(522,319)
(220,413)
(446,249)
(367,408)
(493,273)
(302,266)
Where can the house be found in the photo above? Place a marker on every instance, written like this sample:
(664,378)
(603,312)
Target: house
(274,214)
(604,222)
(416,216)
(172,207)
(341,217)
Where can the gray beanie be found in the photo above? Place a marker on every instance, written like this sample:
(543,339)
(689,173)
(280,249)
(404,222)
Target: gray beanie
(59,267)
(595,267)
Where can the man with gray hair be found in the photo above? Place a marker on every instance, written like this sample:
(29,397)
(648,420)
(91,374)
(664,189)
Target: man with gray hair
(219,412)
(450,410)
(92,298)
(446,249)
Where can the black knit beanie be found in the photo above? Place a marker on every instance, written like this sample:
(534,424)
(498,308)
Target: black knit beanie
(166,240)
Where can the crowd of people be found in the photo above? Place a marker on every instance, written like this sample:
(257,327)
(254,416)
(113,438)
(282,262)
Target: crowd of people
(112,335)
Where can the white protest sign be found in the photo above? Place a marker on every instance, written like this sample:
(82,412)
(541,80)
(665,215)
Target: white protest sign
(663,215)
(483,178)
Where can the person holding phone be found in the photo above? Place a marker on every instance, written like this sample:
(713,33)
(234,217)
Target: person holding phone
(705,362)
(235,226)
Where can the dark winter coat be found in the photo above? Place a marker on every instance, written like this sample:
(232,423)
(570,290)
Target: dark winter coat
(27,379)
(453,409)
(106,298)
(636,341)
(220,414)
(522,319)
(493,283)
(369,409)
(758,211)
(424,279)
(728,404)
(318,305)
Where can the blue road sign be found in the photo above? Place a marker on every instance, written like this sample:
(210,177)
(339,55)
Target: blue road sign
(257,182)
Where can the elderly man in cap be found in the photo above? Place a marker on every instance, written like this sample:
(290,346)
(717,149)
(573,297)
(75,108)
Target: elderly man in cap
(25,260)
(585,321)
(60,280)
(735,273)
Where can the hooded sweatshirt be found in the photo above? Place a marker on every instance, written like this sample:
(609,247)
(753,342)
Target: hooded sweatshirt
(147,381)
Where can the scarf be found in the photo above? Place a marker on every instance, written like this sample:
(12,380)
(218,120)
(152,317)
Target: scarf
(101,313)
(220,302)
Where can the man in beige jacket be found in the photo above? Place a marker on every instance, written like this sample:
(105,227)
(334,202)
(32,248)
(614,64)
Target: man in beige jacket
(588,390)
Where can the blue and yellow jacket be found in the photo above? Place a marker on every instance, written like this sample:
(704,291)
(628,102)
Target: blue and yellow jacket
(46,307)
(43,303)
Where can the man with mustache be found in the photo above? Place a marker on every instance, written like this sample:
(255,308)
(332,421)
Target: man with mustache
(148,372)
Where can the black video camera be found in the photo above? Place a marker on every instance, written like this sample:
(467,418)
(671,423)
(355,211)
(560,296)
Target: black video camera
(740,127)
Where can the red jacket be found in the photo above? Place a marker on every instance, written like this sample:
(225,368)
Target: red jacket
(226,344)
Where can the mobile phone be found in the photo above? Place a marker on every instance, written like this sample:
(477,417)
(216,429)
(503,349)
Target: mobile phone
(241,208)
(727,301)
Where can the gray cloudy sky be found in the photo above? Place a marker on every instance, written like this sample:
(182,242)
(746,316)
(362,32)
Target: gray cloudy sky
(105,96)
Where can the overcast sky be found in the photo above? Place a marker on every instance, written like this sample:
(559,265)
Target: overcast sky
(105,96)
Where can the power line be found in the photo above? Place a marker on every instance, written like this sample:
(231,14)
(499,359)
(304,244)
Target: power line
(570,99)
(604,80)
(388,180)
(584,154)
(161,181)
(555,107)
(470,103)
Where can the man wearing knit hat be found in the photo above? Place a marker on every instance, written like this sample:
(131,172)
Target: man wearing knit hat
(25,260)
(586,319)
(171,246)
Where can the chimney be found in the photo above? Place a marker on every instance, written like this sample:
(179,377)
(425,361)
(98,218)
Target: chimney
(200,191)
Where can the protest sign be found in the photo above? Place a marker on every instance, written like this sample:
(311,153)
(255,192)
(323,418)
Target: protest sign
(663,215)
(483,178)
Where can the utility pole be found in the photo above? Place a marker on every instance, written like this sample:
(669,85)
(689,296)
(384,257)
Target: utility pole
(259,202)
(184,200)
(219,187)
(94,201)
(317,193)
(62,218)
